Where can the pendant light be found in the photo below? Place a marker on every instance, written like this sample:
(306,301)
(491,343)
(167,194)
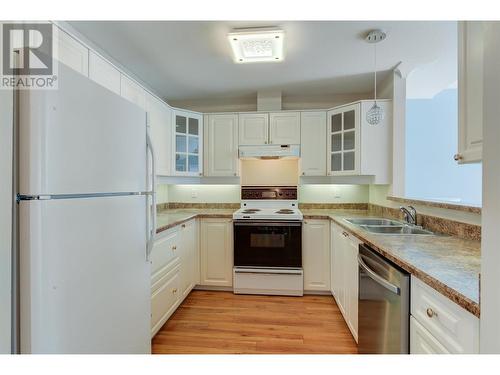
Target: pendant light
(375,114)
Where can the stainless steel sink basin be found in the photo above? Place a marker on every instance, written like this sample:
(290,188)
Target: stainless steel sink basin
(385,229)
(374,221)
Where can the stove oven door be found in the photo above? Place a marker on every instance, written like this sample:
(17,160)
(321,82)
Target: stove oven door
(268,244)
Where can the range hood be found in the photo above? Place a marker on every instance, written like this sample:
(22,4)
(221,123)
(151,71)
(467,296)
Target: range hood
(269,151)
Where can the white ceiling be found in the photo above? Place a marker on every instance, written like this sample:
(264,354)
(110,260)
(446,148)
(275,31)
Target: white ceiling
(185,60)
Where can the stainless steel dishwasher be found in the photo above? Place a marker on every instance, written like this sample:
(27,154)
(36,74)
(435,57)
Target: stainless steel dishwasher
(384,305)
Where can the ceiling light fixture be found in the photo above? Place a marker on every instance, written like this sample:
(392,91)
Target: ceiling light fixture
(375,114)
(257,45)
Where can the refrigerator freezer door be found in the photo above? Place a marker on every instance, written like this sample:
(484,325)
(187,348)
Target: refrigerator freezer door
(80,138)
(85,281)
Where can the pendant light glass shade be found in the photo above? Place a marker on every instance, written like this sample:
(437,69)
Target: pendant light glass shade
(375,114)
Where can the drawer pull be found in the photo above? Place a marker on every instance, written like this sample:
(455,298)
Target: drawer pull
(430,312)
(345,234)
(174,248)
(174,291)
(183,225)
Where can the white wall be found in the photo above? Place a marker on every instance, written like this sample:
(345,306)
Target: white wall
(490,248)
(334,194)
(204,193)
(279,172)
(6,112)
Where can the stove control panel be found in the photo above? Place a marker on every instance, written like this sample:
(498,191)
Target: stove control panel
(269,192)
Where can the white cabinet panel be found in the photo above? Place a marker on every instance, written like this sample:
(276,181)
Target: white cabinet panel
(160,126)
(104,73)
(313,143)
(454,327)
(216,247)
(284,128)
(71,52)
(189,252)
(316,254)
(131,91)
(422,342)
(470,88)
(165,300)
(345,275)
(187,143)
(222,145)
(164,253)
(343,156)
(253,128)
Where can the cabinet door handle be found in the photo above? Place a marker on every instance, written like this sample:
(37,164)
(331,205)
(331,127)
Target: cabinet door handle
(174,248)
(430,312)
(457,157)
(183,225)
(174,290)
(345,234)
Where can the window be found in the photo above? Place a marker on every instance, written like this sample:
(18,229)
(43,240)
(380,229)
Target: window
(432,136)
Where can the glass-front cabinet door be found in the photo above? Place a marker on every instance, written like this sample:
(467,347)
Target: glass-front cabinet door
(344,141)
(188,144)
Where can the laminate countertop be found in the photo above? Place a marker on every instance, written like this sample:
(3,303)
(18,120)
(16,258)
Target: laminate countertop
(169,218)
(451,265)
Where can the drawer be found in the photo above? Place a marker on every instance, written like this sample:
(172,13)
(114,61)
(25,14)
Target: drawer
(422,342)
(164,253)
(164,300)
(454,327)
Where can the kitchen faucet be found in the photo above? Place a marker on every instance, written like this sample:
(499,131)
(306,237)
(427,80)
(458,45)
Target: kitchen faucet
(410,214)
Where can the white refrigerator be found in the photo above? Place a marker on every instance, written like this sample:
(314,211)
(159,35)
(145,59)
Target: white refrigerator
(85,220)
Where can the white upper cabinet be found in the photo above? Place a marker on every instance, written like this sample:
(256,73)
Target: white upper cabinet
(470,89)
(221,145)
(132,91)
(344,140)
(356,148)
(284,128)
(159,116)
(316,255)
(187,143)
(253,128)
(70,52)
(104,73)
(313,143)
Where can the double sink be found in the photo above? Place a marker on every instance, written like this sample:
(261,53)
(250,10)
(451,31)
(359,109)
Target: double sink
(387,226)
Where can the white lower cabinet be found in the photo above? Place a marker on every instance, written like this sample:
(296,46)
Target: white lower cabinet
(344,278)
(165,299)
(455,329)
(316,255)
(174,268)
(216,252)
(189,255)
(422,342)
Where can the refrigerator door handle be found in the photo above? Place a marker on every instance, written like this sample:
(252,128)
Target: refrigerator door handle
(152,221)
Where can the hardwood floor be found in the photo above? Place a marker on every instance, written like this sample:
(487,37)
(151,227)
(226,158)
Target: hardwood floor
(224,323)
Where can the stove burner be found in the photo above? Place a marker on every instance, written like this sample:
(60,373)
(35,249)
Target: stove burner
(285,211)
(250,210)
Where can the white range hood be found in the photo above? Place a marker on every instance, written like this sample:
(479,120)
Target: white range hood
(269,151)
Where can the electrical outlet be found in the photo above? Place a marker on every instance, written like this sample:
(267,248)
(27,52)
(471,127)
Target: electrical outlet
(194,193)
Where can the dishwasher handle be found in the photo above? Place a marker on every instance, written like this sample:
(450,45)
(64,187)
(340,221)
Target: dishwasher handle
(377,278)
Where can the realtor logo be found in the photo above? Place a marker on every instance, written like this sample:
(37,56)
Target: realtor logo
(27,56)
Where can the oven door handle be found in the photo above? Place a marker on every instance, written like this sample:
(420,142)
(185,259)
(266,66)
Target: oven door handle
(268,223)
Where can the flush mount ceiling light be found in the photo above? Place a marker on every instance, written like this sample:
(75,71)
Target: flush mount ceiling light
(375,114)
(257,45)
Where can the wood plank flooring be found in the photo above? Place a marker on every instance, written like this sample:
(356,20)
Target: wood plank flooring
(224,323)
